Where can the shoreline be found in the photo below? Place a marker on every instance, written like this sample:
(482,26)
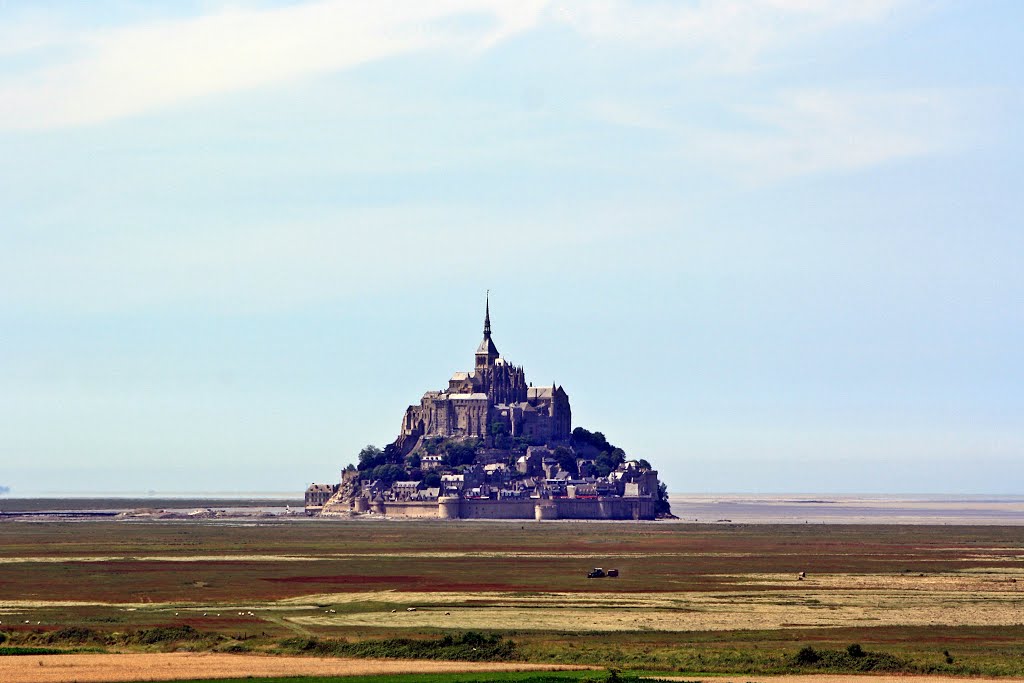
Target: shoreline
(703,509)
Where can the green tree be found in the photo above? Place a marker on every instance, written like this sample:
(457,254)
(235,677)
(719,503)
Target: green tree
(388,473)
(500,435)
(583,438)
(392,454)
(661,504)
(592,444)
(461,452)
(370,457)
(566,459)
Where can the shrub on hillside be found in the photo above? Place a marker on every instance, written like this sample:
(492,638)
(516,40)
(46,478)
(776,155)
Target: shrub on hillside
(470,646)
(73,634)
(165,634)
(854,658)
(807,656)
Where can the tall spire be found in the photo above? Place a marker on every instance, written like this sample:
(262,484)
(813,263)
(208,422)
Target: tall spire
(487,317)
(487,352)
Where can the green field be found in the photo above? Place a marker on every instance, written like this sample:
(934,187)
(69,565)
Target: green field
(495,677)
(689,598)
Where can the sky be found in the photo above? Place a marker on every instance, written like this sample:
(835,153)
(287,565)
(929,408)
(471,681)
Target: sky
(769,245)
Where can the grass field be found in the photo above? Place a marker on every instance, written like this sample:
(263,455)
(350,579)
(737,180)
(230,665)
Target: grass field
(689,598)
(472,677)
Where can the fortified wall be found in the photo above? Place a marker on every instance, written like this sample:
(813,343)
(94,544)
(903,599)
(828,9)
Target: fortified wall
(452,507)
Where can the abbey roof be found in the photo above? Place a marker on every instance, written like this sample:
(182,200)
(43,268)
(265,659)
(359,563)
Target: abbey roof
(487,347)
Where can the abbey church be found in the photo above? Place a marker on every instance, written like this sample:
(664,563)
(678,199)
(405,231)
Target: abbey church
(495,392)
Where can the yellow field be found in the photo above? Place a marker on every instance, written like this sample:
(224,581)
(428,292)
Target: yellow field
(865,601)
(187,665)
(184,666)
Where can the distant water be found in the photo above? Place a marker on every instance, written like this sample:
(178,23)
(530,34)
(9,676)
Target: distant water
(848,509)
(162,495)
(792,508)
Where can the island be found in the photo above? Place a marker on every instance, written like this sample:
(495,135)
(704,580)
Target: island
(490,445)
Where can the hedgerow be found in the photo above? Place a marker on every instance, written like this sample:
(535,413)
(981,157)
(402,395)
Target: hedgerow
(470,646)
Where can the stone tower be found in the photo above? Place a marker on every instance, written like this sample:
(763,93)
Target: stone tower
(487,352)
(492,375)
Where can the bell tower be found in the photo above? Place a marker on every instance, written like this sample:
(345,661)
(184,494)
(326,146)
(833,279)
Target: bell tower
(487,352)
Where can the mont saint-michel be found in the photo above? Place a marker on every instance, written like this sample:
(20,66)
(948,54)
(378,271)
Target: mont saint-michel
(491,445)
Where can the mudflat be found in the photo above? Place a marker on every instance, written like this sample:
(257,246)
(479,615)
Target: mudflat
(722,598)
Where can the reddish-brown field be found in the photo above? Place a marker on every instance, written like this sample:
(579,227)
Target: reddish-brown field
(280,560)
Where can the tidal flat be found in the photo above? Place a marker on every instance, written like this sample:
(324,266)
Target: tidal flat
(711,598)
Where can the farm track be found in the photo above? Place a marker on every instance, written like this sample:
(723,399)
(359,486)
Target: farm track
(290,625)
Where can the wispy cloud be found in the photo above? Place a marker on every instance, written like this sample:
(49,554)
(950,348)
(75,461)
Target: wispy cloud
(807,131)
(104,74)
(115,72)
(101,74)
(723,35)
(776,135)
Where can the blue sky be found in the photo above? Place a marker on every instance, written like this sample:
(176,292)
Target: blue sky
(770,246)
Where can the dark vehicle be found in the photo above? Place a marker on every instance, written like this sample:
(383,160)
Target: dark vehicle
(596,573)
(613,572)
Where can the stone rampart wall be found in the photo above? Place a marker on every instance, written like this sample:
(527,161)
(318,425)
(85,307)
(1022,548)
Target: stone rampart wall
(565,508)
(605,508)
(410,508)
(496,509)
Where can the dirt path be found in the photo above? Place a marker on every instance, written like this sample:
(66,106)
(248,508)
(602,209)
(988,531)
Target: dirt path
(300,631)
(82,668)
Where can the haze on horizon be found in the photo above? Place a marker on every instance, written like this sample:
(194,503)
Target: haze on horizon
(769,246)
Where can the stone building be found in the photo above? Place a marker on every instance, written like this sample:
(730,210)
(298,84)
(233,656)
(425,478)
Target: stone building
(495,392)
(317,496)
